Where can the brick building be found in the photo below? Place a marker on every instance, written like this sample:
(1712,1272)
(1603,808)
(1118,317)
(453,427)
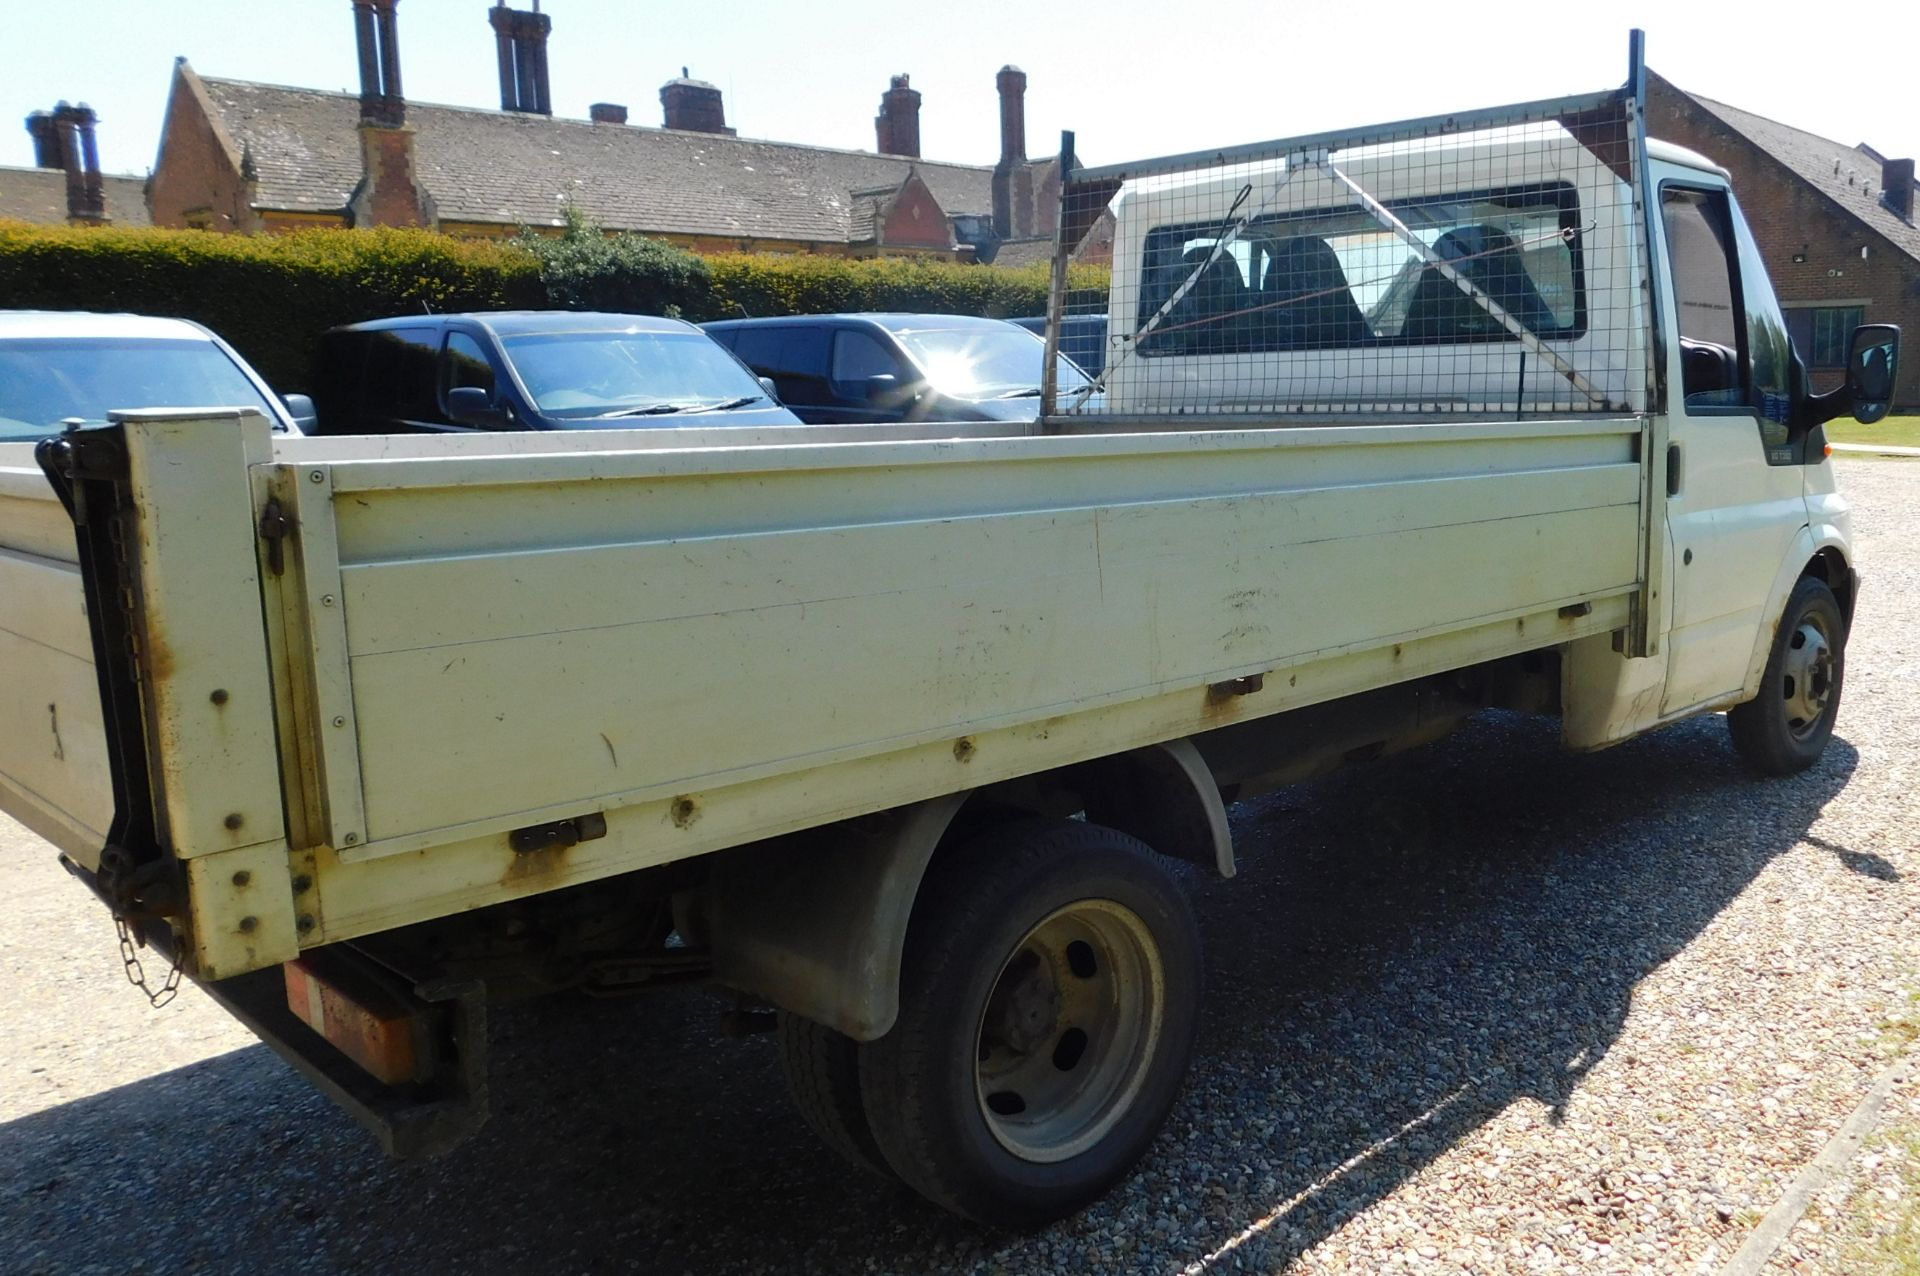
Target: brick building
(246,157)
(65,184)
(1835,223)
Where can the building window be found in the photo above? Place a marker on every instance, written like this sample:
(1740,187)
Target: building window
(1821,333)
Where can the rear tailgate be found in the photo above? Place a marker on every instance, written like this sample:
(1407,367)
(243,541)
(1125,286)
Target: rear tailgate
(53,759)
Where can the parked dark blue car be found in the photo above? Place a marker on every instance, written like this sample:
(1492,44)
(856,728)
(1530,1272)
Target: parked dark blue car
(839,369)
(532,370)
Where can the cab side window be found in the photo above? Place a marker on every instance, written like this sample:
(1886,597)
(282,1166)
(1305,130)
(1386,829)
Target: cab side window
(1701,251)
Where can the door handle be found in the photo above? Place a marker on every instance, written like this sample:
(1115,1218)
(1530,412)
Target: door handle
(1673,469)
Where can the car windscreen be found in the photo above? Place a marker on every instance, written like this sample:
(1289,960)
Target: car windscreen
(44,381)
(590,376)
(981,362)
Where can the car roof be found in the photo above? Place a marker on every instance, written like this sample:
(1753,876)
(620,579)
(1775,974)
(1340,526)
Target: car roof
(508,323)
(20,325)
(892,321)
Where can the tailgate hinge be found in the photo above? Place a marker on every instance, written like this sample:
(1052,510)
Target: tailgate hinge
(275,526)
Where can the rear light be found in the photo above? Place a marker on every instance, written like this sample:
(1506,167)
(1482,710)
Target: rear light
(375,1026)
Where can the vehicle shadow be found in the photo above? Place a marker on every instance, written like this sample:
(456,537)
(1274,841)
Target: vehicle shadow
(1411,947)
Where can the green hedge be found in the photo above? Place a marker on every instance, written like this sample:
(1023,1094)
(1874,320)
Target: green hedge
(272,296)
(269,295)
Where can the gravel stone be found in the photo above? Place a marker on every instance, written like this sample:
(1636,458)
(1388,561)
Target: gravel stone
(1484,1007)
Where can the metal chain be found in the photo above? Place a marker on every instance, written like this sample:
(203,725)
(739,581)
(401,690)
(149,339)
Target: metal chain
(130,960)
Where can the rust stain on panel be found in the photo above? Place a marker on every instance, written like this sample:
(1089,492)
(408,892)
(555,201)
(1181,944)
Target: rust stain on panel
(534,870)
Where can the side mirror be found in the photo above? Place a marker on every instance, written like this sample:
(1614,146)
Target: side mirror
(768,388)
(470,405)
(884,388)
(1873,369)
(300,408)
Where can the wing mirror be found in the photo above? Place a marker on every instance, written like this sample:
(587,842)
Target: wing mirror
(768,388)
(300,408)
(470,405)
(1873,369)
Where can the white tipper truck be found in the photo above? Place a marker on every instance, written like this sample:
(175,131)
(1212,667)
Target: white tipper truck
(895,732)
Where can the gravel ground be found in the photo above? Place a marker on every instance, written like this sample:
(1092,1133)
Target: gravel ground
(1484,1007)
(1867,1221)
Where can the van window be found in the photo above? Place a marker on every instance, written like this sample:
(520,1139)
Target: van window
(400,376)
(463,365)
(793,355)
(858,356)
(339,375)
(1335,278)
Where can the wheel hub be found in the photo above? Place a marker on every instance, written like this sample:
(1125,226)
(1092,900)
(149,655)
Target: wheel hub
(1807,676)
(1068,1030)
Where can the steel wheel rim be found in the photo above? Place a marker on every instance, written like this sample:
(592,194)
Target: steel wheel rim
(1068,1031)
(1806,675)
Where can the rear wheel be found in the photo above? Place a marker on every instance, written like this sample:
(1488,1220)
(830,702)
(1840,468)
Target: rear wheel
(1786,727)
(823,1075)
(1048,1000)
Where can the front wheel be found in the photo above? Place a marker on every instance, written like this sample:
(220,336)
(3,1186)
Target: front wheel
(1786,727)
(1049,996)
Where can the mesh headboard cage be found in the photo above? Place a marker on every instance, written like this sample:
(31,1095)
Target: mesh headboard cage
(1485,263)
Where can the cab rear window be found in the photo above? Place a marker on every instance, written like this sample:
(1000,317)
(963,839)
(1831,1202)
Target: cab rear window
(1336,278)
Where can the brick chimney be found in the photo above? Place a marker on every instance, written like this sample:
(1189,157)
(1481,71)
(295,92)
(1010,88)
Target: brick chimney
(522,39)
(1012,83)
(1896,182)
(897,128)
(694,106)
(607,113)
(389,192)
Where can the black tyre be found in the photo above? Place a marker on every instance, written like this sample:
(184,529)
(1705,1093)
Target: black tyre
(1786,727)
(823,1075)
(1049,995)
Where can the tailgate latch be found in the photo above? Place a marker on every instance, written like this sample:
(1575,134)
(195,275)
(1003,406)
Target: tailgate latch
(275,526)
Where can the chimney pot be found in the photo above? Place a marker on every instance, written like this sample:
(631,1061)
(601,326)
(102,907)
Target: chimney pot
(693,106)
(46,141)
(72,133)
(1896,176)
(376,35)
(607,113)
(1012,83)
(520,39)
(897,128)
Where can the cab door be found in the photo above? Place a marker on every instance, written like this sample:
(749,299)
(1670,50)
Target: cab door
(1735,502)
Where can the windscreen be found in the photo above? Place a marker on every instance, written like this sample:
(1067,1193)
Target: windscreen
(590,376)
(983,362)
(46,381)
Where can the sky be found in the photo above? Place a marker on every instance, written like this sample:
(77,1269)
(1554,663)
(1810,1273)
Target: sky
(1132,79)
